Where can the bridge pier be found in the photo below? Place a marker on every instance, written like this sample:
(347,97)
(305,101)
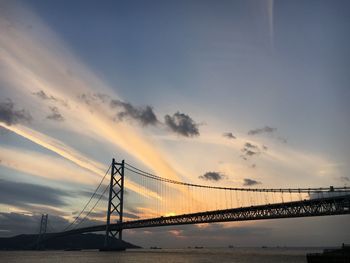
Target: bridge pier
(115,205)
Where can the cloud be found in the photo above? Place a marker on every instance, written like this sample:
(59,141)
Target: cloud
(268,130)
(144,115)
(20,223)
(42,95)
(249,145)
(19,194)
(30,165)
(97,195)
(250,153)
(130,215)
(125,110)
(94,214)
(265,129)
(89,99)
(249,150)
(10,116)
(52,59)
(102,97)
(182,124)
(250,182)
(26,161)
(212,176)
(55,115)
(229,135)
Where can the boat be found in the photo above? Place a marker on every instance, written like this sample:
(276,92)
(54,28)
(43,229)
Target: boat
(339,255)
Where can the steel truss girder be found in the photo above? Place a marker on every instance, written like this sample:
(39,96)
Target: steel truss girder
(339,205)
(316,207)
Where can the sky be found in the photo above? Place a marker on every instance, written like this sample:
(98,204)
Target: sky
(226,93)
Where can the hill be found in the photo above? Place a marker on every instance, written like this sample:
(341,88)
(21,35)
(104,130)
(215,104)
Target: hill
(79,241)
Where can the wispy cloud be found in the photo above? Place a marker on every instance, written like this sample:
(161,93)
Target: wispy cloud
(249,145)
(265,129)
(55,115)
(56,146)
(229,135)
(18,193)
(29,67)
(38,164)
(42,95)
(249,150)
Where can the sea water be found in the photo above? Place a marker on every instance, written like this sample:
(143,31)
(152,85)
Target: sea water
(204,255)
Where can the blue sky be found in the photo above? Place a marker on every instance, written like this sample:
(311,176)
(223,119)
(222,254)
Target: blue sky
(280,68)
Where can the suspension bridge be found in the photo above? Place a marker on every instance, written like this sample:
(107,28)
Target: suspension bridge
(160,201)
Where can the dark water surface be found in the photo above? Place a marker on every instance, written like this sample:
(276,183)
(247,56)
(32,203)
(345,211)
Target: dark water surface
(219,255)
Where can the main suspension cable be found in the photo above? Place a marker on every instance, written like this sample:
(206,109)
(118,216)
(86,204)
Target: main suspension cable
(136,170)
(92,196)
(92,208)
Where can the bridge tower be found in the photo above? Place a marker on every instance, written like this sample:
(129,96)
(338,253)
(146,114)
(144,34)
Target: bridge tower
(115,200)
(42,231)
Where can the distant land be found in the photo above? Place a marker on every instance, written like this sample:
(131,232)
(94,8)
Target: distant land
(73,242)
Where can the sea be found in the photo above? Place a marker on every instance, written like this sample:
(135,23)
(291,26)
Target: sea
(199,255)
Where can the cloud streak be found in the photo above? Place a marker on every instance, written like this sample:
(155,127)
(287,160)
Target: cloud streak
(18,193)
(265,129)
(26,161)
(57,147)
(30,66)
(20,223)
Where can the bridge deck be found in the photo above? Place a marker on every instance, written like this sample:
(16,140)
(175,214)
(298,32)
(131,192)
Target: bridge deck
(339,205)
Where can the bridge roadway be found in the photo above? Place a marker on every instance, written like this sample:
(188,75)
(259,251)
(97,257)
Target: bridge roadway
(338,205)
